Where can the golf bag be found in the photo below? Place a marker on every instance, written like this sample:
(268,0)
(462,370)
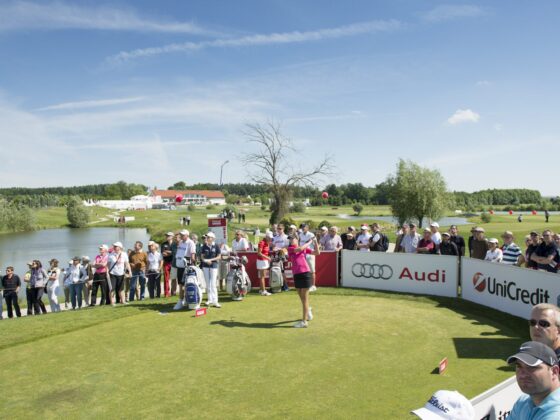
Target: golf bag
(238,283)
(194,283)
(276,280)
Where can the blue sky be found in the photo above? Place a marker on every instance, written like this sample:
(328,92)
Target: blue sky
(156,92)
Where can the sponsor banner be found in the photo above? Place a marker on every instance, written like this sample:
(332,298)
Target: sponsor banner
(218,225)
(497,402)
(408,273)
(508,289)
(326,267)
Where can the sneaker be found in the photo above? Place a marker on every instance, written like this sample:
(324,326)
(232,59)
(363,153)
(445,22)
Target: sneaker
(300,324)
(264,293)
(310,314)
(217,305)
(313,289)
(178,306)
(208,304)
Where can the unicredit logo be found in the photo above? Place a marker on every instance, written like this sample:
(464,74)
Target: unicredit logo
(509,290)
(372,271)
(479,282)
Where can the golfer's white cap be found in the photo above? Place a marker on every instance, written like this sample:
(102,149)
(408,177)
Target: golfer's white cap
(446,405)
(184,232)
(211,235)
(119,244)
(434,224)
(105,247)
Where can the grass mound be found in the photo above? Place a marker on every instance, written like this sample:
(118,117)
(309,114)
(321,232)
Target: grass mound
(366,354)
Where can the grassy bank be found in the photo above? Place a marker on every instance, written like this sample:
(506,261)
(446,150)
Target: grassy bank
(358,358)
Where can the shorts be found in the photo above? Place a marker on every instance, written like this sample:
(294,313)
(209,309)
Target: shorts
(311,262)
(173,273)
(180,273)
(303,280)
(117,283)
(263,264)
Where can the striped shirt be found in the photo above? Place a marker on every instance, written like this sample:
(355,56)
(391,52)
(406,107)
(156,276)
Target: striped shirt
(511,253)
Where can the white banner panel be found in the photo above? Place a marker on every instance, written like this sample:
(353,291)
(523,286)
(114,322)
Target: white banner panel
(508,289)
(408,273)
(498,401)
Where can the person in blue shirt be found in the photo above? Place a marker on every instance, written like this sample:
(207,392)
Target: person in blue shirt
(536,370)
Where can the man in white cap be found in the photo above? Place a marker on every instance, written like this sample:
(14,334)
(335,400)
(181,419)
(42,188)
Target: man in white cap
(362,241)
(100,278)
(446,405)
(118,266)
(186,251)
(436,236)
(536,370)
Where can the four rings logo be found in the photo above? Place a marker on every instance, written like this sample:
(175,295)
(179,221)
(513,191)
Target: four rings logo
(372,271)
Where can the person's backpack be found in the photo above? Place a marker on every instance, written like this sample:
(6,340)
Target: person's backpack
(382,245)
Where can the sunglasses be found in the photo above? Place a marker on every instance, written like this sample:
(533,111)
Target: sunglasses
(543,323)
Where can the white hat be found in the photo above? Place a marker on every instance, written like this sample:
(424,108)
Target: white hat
(105,247)
(85,258)
(151,243)
(211,235)
(324,228)
(119,244)
(364,227)
(184,232)
(493,241)
(434,224)
(268,235)
(446,405)
(169,234)
(293,227)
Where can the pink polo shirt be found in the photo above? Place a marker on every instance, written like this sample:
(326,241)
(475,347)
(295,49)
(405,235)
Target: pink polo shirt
(299,262)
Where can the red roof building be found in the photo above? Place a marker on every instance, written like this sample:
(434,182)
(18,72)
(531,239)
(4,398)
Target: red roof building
(200,197)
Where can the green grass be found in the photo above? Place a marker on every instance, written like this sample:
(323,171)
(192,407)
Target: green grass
(365,355)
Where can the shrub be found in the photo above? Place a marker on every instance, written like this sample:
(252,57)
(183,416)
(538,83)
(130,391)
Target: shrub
(210,207)
(358,208)
(298,207)
(324,223)
(77,213)
(485,217)
(287,221)
(264,208)
(190,207)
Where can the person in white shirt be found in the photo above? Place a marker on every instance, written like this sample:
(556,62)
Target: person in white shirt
(494,254)
(53,285)
(306,236)
(186,252)
(73,279)
(118,266)
(362,241)
(155,265)
(280,242)
(240,243)
(436,236)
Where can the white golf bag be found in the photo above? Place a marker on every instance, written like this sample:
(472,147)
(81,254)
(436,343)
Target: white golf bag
(238,283)
(195,284)
(276,279)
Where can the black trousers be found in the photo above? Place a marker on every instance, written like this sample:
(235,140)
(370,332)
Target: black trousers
(99,282)
(37,300)
(29,296)
(12,300)
(154,284)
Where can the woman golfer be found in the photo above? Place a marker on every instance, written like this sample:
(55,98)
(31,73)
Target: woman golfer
(302,274)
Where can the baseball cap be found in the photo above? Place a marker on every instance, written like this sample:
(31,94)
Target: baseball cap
(533,353)
(119,244)
(85,258)
(449,405)
(364,227)
(105,247)
(478,229)
(427,230)
(169,234)
(434,224)
(211,235)
(324,228)
(293,227)
(533,233)
(184,232)
(268,235)
(507,233)
(351,228)
(445,234)
(446,405)
(76,258)
(493,241)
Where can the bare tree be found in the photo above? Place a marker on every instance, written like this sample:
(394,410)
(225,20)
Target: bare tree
(274,165)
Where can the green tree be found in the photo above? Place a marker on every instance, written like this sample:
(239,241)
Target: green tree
(77,214)
(178,186)
(358,208)
(417,193)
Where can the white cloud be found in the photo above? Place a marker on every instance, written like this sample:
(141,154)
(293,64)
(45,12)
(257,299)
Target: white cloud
(498,127)
(23,15)
(463,116)
(447,12)
(90,104)
(264,39)
(483,83)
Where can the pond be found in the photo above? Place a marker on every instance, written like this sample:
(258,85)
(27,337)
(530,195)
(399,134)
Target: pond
(444,221)
(16,249)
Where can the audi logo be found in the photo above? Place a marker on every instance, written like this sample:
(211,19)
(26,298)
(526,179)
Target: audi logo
(372,271)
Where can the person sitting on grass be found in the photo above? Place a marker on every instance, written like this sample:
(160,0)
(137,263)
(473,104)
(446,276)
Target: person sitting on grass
(536,371)
(302,275)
